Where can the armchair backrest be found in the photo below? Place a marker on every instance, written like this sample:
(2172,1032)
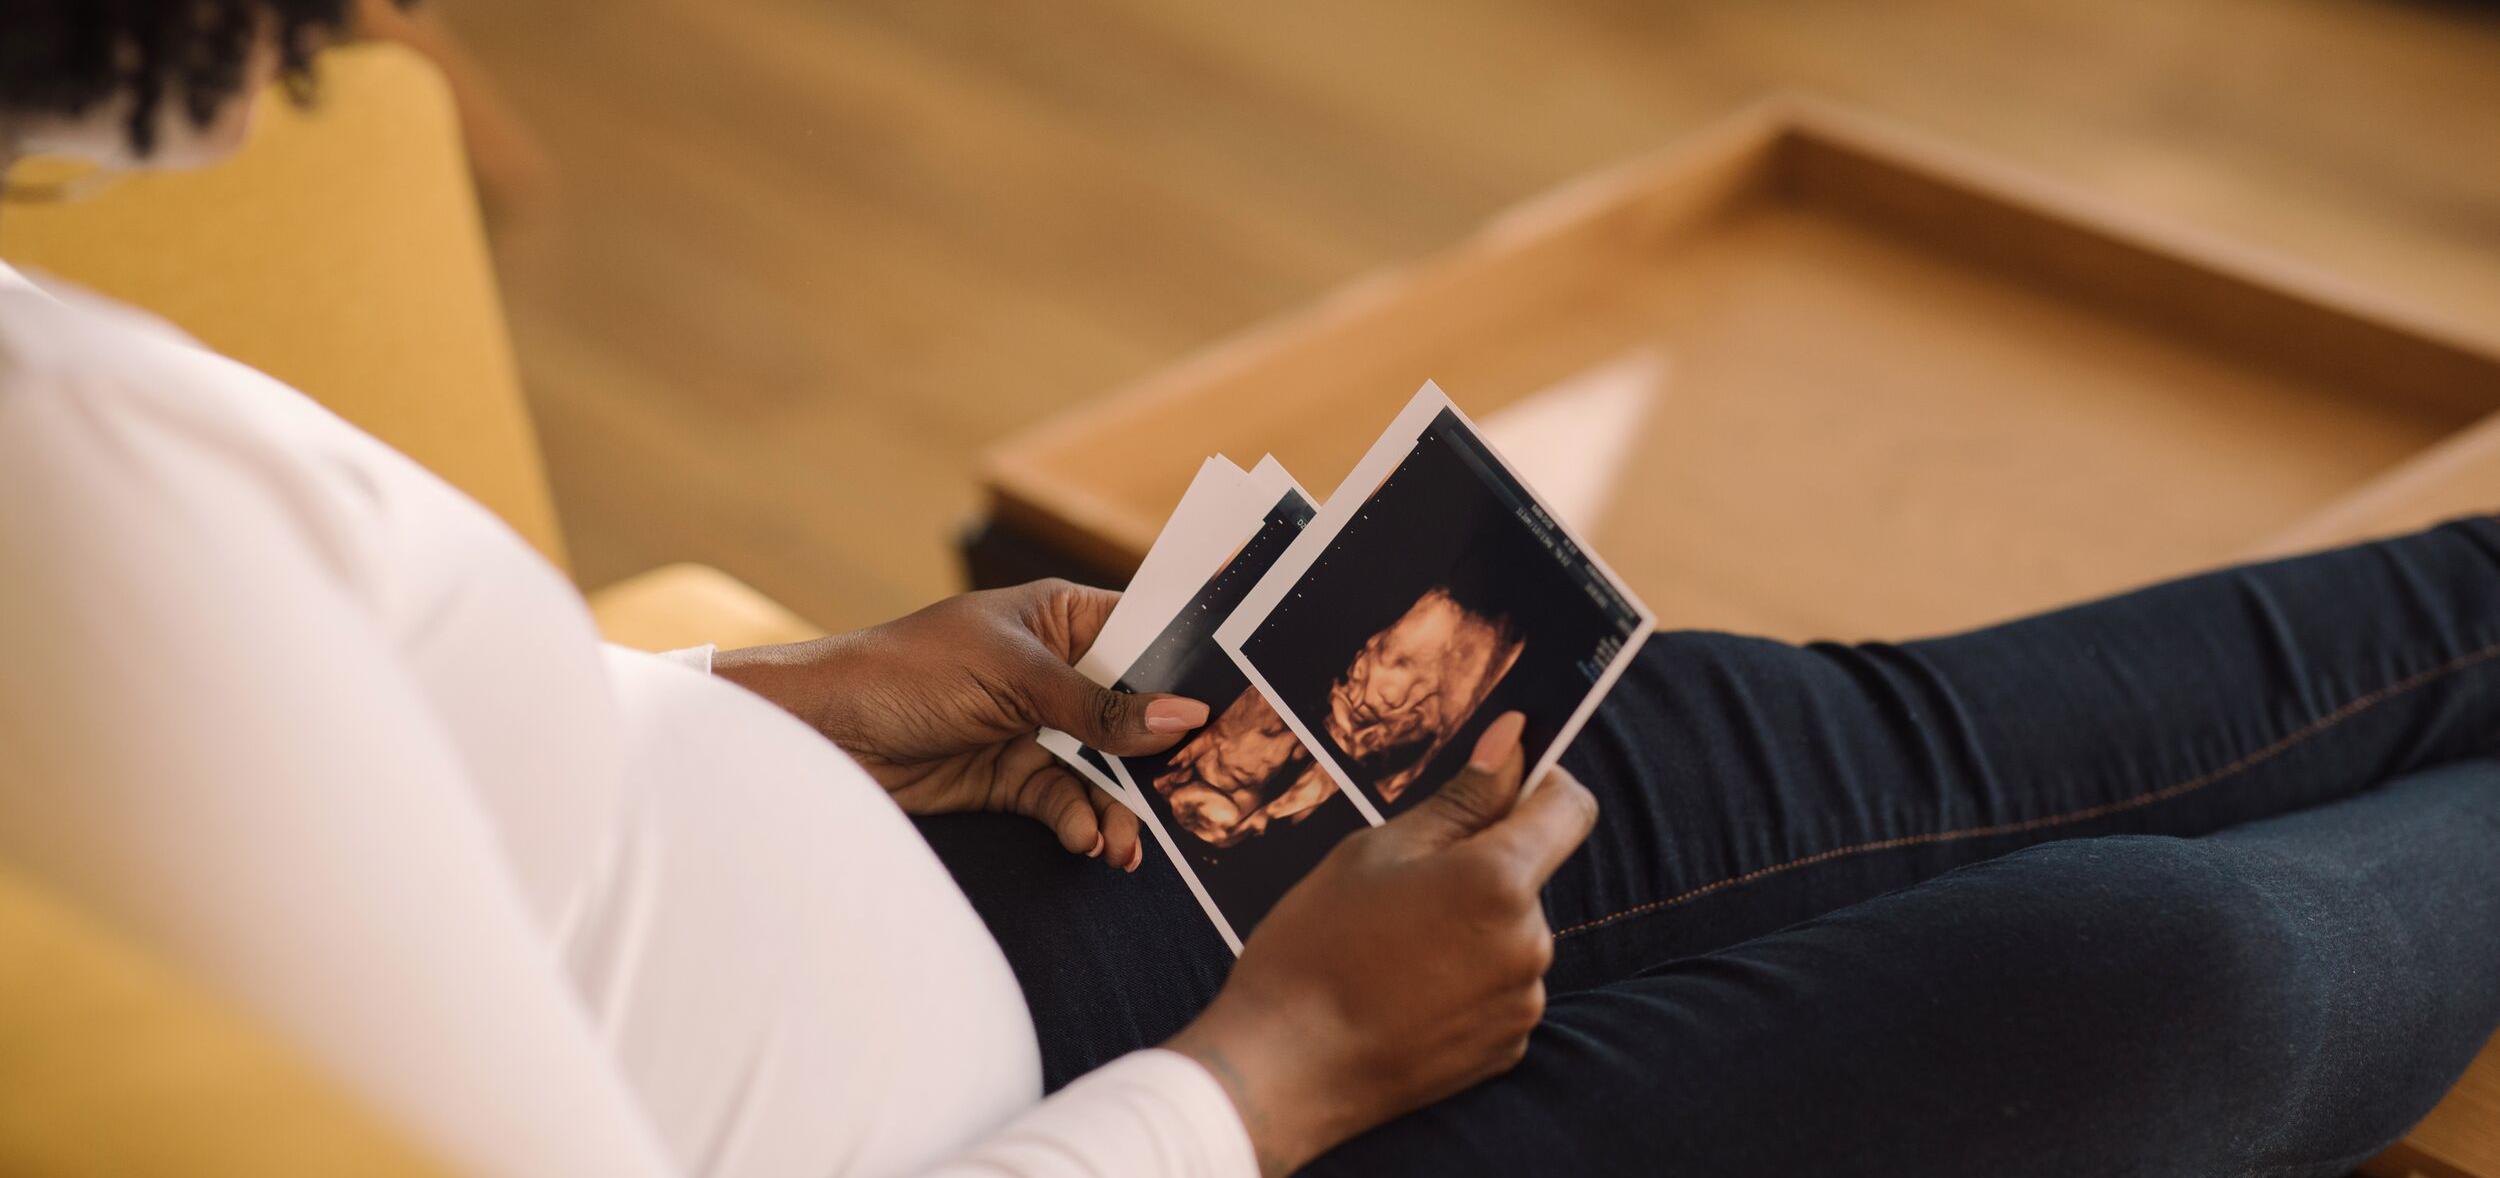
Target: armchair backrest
(341,252)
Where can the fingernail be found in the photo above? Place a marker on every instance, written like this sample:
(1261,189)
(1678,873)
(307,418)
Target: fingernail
(1500,737)
(1175,715)
(1095,852)
(1136,855)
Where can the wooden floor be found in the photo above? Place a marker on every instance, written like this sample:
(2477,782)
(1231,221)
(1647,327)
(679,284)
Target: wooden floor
(813,255)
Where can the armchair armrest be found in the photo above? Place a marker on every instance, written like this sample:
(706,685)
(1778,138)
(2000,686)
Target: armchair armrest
(681,605)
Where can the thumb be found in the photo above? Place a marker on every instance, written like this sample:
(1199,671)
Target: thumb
(1115,722)
(1546,827)
(1482,792)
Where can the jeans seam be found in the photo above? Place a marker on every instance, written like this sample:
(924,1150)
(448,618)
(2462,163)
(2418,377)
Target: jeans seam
(2247,761)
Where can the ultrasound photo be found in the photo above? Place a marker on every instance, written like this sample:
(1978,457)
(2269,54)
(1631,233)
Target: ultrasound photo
(1223,505)
(1240,806)
(1432,594)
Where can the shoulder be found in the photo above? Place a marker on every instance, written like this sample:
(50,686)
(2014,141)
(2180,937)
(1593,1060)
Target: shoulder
(54,329)
(116,431)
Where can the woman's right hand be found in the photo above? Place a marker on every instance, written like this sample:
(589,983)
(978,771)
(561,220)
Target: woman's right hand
(1407,966)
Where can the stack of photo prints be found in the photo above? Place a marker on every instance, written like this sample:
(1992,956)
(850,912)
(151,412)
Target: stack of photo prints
(1350,653)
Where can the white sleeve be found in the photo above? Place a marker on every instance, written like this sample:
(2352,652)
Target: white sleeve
(209,744)
(1151,1113)
(693,658)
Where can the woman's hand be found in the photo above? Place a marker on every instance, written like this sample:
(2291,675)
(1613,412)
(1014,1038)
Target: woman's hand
(940,707)
(1408,966)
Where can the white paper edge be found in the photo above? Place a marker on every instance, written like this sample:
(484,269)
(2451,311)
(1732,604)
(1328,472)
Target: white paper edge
(1216,488)
(1271,479)
(1070,752)
(1376,466)
(1163,838)
(1208,527)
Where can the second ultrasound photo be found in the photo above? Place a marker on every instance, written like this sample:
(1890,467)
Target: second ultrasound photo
(1432,594)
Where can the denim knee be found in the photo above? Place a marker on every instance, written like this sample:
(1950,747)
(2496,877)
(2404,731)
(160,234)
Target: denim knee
(2186,944)
(2287,1026)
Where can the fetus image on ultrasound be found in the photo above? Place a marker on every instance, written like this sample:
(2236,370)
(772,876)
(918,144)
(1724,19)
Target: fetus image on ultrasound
(1412,687)
(1409,690)
(1242,773)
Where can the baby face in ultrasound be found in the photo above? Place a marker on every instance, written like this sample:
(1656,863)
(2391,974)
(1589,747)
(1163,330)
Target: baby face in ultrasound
(1242,773)
(1413,686)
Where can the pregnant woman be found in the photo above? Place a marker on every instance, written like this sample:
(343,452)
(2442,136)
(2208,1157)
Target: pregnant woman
(2200,880)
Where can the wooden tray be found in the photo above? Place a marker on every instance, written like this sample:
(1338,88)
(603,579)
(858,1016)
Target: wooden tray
(1908,390)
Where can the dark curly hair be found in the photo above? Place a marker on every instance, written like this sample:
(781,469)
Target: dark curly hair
(65,57)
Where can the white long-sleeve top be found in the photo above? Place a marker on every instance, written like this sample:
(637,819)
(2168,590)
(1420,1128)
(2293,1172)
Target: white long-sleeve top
(295,713)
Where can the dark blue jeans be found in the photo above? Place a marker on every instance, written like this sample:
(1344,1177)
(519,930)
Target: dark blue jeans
(2199,880)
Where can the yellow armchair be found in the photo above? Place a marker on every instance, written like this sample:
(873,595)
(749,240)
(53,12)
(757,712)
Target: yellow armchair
(341,252)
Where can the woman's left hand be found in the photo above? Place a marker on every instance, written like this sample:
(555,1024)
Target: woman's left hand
(940,707)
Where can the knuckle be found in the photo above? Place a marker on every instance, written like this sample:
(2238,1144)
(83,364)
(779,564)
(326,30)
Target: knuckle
(1383,849)
(1466,795)
(962,603)
(1358,850)
(1482,883)
(1526,1010)
(1499,885)
(1517,905)
(1512,1052)
(1536,951)
(1110,709)
(1577,796)
(1527,886)
(1035,797)
(1524,959)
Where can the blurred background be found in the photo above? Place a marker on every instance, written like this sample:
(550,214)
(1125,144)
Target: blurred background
(779,270)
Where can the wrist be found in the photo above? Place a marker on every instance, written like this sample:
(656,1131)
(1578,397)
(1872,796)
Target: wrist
(791,675)
(1293,1102)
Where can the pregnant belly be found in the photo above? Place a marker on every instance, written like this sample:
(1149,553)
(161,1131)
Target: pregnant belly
(791,982)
